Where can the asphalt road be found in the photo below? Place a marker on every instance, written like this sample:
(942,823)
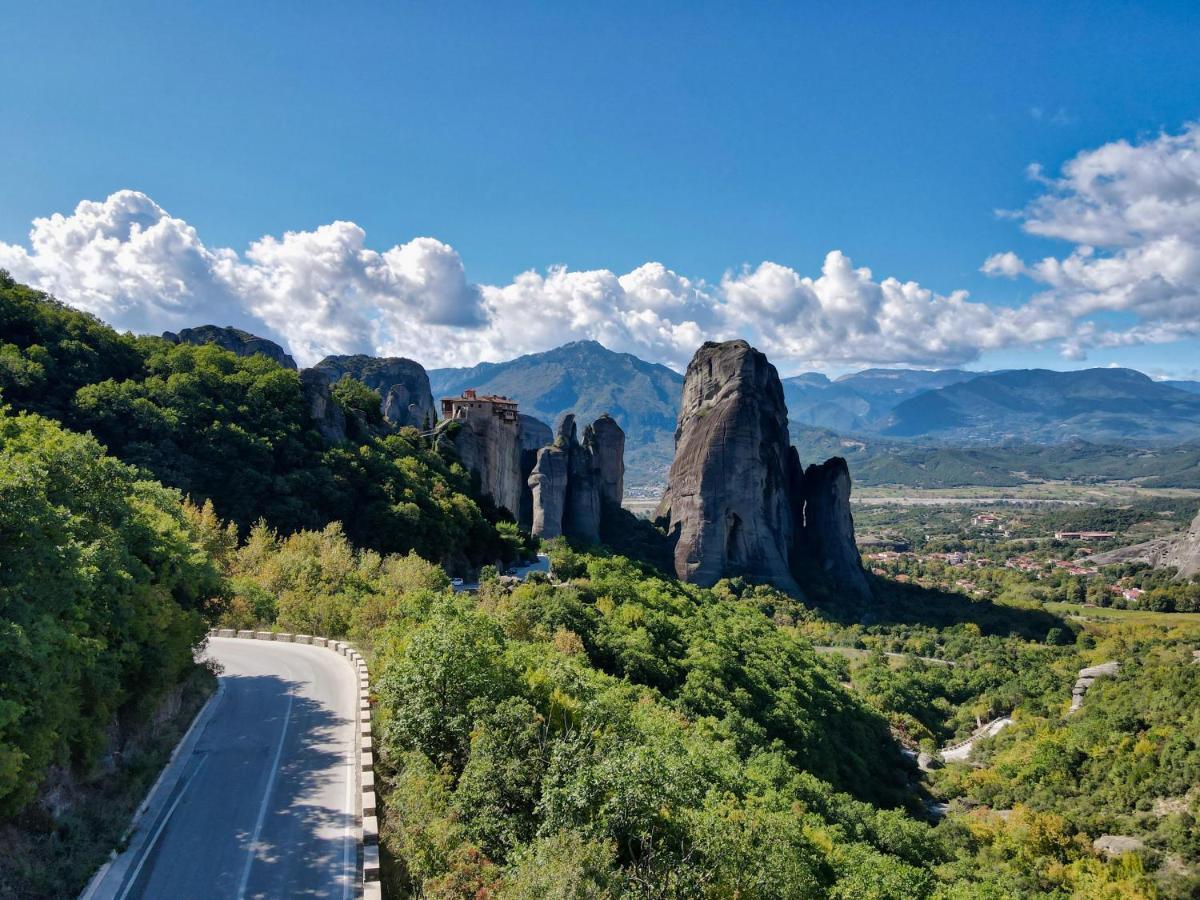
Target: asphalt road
(261,800)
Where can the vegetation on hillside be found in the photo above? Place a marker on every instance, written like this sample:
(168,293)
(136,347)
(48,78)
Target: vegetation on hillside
(604,731)
(236,431)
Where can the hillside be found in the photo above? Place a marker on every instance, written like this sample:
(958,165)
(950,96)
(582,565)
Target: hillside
(237,430)
(588,379)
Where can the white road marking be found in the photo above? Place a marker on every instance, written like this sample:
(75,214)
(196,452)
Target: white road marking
(262,809)
(159,830)
(347,868)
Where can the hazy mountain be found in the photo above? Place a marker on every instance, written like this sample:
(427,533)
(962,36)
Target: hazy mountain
(587,379)
(904,426)
(856,403)
(1043,406)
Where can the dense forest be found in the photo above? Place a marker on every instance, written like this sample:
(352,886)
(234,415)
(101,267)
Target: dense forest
(601,731)
(236,431)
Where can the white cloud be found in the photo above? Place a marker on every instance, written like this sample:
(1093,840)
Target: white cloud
(1131,210)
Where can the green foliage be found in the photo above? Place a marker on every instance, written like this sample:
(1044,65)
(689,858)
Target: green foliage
(104,580)
(237,431)
(356,397)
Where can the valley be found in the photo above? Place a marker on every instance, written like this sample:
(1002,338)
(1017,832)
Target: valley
(640,701)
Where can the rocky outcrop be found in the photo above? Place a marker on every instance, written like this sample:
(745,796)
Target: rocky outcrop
(728,505)
(572,481)
(325,413)
(402,384)
(233,339)
(1183,551)
(738,502)
(535,434)
(548,491)
(1087,677)
(606,442)
(826,527)
(489,447)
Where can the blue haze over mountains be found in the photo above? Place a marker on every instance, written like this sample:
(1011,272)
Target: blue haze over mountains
(893,424)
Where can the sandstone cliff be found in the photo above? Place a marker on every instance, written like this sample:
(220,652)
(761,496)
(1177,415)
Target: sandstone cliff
(233,339)
(402,384)
(490,448)
(535,434)
(1183,551)
(826,531)
(1180,550)
(738,502)
(572,481)
(727,507)
(605,440)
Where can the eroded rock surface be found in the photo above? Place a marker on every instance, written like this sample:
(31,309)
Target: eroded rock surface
(535,434)
(728,507)
(606,442)
(827,528)
(571,481)
(489,447)
(738,502)
(403,386)
(243,343)
(1183,551)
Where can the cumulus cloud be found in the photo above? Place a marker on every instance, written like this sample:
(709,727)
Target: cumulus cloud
(1131,212)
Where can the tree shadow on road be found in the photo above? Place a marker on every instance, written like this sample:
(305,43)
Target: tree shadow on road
(307,839)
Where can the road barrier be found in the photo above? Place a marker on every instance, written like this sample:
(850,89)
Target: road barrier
(369,831)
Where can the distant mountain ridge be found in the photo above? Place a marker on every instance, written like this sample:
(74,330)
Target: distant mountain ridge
(885,418)
(587,379)
(854,403)
(1044,406)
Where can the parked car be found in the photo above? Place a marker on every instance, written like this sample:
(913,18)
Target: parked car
(457,582)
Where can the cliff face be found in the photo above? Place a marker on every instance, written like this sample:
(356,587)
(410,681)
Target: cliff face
(605,440)
(490,448)
(535,434)
(402,384)
(738,502)
(1183,551)
(727,505)
(233,339)
(826,531)
(571,482)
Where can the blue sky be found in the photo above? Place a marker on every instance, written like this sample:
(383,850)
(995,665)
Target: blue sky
(705,137)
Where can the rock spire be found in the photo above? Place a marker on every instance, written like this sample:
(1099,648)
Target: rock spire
(737,501)
(571,481)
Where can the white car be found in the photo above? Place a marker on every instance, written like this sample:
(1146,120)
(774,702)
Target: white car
(457,582)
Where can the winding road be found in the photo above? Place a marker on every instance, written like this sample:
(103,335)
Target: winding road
(261,798)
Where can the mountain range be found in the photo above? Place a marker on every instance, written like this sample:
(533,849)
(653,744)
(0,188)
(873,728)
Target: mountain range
(911,426)
(588,379)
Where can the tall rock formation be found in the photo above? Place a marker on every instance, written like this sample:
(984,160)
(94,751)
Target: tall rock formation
(488,443)
(571,482)
(727,506)
(403,386)
(826,528)
(606,441)
(243,343)
(535,434)
(737,501)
